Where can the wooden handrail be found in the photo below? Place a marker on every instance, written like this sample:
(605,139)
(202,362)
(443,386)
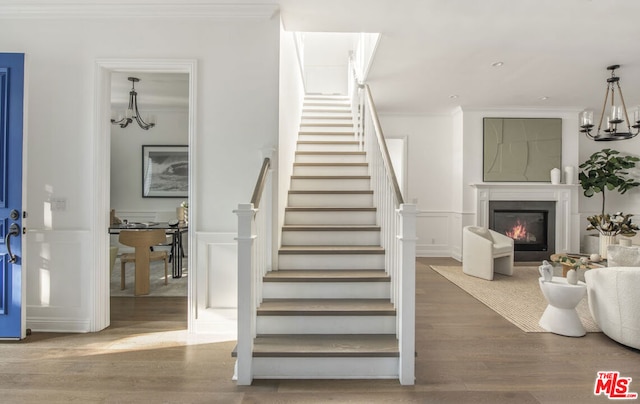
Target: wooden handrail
(383,147)
(262,178)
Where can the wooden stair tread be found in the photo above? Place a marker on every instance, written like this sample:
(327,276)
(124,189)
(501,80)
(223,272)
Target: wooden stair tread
(330,164)
(330,227)
(327,142)
(329,209)
(319,275)
(326,345)
(330,152)
(331,249)
(326,307)
(343,192)
(330,177)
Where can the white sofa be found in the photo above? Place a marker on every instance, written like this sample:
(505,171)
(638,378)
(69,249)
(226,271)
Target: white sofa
(485,252)
(614,301)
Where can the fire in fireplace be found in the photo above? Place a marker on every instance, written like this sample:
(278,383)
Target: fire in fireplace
(531,224)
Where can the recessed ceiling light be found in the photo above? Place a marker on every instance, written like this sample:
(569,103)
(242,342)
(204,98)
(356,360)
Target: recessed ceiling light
(544,98)
(453,96)
(497,64)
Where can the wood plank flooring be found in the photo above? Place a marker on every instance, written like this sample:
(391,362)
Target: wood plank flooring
(466,354)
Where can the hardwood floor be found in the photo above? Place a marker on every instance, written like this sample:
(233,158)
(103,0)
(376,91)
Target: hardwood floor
(466,354)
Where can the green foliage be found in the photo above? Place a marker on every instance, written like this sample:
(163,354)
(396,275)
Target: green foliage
(606,171)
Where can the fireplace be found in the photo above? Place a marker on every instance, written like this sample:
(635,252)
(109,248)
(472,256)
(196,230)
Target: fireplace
(531,225)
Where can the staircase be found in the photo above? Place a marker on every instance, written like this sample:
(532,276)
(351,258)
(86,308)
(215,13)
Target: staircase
(326,312)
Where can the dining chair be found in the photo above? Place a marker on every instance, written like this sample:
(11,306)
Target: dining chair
(142,241)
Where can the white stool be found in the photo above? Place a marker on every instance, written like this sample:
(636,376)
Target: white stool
(560,316)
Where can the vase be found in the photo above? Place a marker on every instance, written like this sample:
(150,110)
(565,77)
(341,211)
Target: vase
(605,241)
(572,277)
(568,175)
(555,176)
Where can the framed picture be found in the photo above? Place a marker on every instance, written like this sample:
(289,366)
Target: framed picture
(165,171)
(521,149)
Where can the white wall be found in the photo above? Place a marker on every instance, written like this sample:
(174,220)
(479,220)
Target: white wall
(326,61)
(429,178)
(237,117)
(291,99)
(172,128)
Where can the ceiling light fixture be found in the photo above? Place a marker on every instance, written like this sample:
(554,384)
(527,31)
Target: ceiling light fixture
(497,64)
(132,112)
(617,115)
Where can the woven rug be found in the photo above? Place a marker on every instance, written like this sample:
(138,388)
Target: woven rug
(517,298)
(174,287)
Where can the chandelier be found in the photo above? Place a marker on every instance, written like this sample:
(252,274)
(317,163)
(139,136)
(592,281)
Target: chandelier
(132,112)
(618,115)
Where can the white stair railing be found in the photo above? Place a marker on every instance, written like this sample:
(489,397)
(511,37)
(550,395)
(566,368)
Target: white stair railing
(254,261)
(397,221)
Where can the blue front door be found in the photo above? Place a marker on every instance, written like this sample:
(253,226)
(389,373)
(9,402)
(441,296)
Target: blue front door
(12,287)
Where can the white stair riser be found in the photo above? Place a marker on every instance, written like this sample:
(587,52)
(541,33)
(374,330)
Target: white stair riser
(331,237)
(324,121)
(319,137)
(331,170)
(329,261)
(340,146)
(330,200)
(325,325)
(331,217)
(304,129)
(326,290)
(331,158)
(327,115)
(326,109)
(327,103)
(325,368)
(342,184)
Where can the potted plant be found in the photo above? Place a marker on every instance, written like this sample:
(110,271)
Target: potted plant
(606,170)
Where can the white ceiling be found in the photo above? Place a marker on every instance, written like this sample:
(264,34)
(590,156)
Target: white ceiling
(433,49)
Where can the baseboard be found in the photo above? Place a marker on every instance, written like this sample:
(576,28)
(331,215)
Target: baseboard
(65,325)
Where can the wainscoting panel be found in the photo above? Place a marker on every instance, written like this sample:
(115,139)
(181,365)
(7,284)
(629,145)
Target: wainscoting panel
(59,276)
(434,233)
(216,284)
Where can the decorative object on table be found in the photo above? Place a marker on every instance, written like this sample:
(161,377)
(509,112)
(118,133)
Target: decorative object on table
(183,212)
(569,175)
(132,113)
(606,170)
(546,271)
(555,176)
(617,116)
(165,171)
(609,227)
(574,261)
(595,258)
(572,277)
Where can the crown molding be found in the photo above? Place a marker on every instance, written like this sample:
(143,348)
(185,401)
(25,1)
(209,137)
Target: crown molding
(204,9)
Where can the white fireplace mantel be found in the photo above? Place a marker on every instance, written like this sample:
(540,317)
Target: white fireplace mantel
(565,196)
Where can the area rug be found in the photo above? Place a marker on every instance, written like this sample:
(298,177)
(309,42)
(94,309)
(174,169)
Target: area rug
(174,287)
(517,298)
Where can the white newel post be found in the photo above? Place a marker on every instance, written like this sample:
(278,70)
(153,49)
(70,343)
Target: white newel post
(246,293)
(407,298)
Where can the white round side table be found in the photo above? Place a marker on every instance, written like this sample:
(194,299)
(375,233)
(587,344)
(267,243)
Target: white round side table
(560,316)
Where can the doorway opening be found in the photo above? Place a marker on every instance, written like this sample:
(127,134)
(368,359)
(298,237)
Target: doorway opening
(123,147)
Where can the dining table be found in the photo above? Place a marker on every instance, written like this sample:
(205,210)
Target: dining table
(174,230)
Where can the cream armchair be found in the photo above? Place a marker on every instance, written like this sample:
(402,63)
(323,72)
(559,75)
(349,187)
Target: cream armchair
(614,302)
(485,252)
